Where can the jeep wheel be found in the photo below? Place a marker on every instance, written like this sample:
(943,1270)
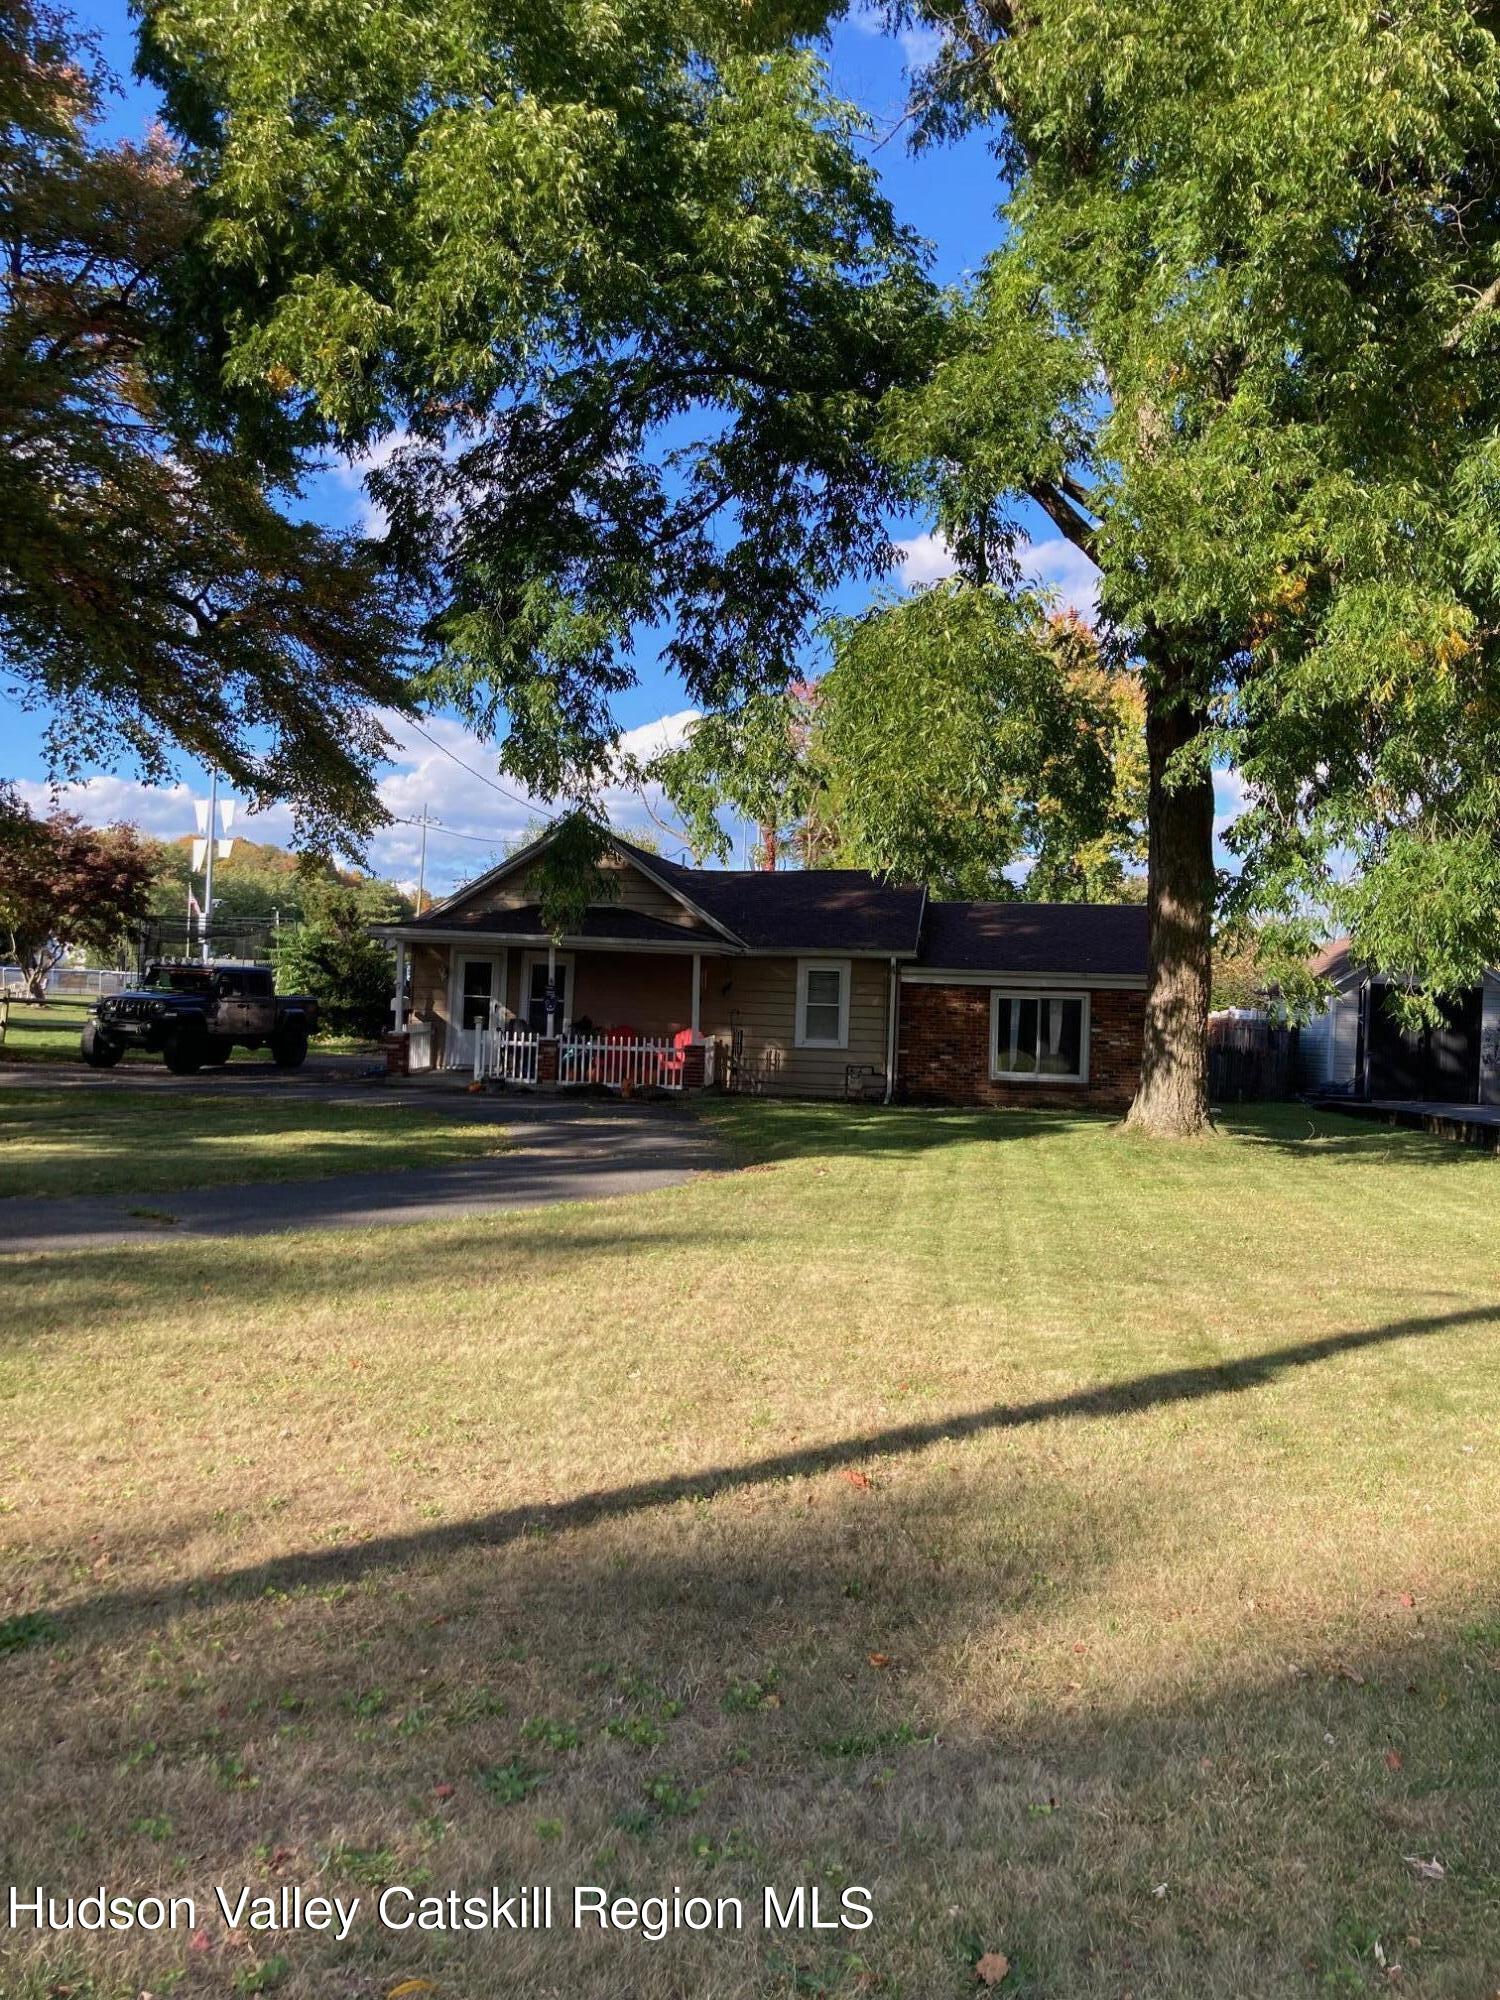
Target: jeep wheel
(184,1053)
(100,1051)
(218,1051)
(289,1048)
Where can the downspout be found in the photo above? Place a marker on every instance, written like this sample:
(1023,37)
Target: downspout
(890,1032)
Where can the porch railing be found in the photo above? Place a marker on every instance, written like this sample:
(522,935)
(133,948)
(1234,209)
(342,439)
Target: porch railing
(642,1065)
(506,1053)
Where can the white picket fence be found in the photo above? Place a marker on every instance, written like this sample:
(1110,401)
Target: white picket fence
(506,1053)
(642,1065)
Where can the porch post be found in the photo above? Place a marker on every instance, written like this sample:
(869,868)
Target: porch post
(551,981)
(697,982)
(398,1004)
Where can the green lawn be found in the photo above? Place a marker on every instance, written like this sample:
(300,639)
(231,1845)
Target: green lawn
(51,1034)
(1091,1546)
(69,1142)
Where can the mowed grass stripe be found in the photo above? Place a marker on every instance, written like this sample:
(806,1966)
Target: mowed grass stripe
(1162,1483)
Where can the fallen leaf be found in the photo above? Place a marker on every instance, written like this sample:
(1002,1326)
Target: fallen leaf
(444,1791)
(404,1988)
(1405,1599)
(199,1941)
(1393,1760)
(880,1659)
(1159,1891)
(1430,1871)
(1347,1673)
(857,1478)
(992,1968)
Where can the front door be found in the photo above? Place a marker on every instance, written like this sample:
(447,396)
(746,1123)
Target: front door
(476,984)
(537,1001)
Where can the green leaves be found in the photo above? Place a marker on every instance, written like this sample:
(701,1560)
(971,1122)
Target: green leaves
(622,279)
(1242,321)
(971,736)
(152,593)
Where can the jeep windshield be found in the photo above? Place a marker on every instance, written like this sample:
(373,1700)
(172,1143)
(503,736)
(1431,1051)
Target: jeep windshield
(176,979)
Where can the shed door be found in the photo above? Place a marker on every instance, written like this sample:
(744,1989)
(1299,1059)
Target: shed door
(1439,1064)
(1453,1051)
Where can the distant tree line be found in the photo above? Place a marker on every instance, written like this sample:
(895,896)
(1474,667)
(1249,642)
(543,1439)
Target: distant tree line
(66,886)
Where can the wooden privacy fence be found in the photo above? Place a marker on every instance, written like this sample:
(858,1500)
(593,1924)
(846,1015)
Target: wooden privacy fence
(1250,1057)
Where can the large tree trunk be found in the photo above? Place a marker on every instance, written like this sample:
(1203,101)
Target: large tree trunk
(1172,1101)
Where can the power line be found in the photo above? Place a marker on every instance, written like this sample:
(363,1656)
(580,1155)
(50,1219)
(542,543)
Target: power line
(514,797)
(456,832)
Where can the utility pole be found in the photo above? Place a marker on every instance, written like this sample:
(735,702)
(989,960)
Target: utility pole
(422,864)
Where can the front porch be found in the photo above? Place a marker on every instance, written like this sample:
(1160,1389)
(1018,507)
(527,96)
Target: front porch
(553,1015)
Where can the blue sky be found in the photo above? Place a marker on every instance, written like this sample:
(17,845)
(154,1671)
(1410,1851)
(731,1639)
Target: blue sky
(949,196)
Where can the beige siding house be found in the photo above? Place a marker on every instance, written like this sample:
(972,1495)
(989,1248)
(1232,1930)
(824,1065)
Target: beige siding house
(797,983)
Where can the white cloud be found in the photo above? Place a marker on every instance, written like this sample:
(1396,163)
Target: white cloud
(924,559)
(1055,566)
(349,473)
(478,819)
(919,45)
(668,732)
(1064,572)
(163,810)
(1231,796)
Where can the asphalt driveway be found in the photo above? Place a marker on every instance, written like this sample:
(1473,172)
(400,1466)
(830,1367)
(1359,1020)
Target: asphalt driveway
(562,1150)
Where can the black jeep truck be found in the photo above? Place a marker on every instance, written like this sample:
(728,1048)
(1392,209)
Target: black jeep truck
(195,1014)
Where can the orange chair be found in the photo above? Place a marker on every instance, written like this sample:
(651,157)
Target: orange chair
(672,1065)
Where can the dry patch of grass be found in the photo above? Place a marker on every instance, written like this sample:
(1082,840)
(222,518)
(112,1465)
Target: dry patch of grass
(1088,1545)
(75,1142)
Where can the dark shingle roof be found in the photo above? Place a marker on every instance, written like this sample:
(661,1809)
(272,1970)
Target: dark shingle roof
(1072,938)
(847,910)
(797,909)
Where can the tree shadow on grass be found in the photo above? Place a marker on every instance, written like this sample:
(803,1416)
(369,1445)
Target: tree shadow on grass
(1172,1386)
(833,1686)
(763,1131)
(767,1130)
(1309,1132)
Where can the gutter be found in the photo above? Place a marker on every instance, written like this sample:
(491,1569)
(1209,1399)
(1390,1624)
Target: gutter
(893,1001)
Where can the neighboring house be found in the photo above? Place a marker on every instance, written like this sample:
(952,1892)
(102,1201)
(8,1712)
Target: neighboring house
(806,983)
(1356,1046)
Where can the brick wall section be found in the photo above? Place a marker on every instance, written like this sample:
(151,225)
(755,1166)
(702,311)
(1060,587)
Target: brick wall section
(944,1058)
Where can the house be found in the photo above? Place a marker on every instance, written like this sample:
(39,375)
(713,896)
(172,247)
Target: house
(1357,1047)
(818,983)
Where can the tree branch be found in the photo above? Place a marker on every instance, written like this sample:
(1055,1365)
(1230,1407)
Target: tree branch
(1067,517)
(1487,300)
